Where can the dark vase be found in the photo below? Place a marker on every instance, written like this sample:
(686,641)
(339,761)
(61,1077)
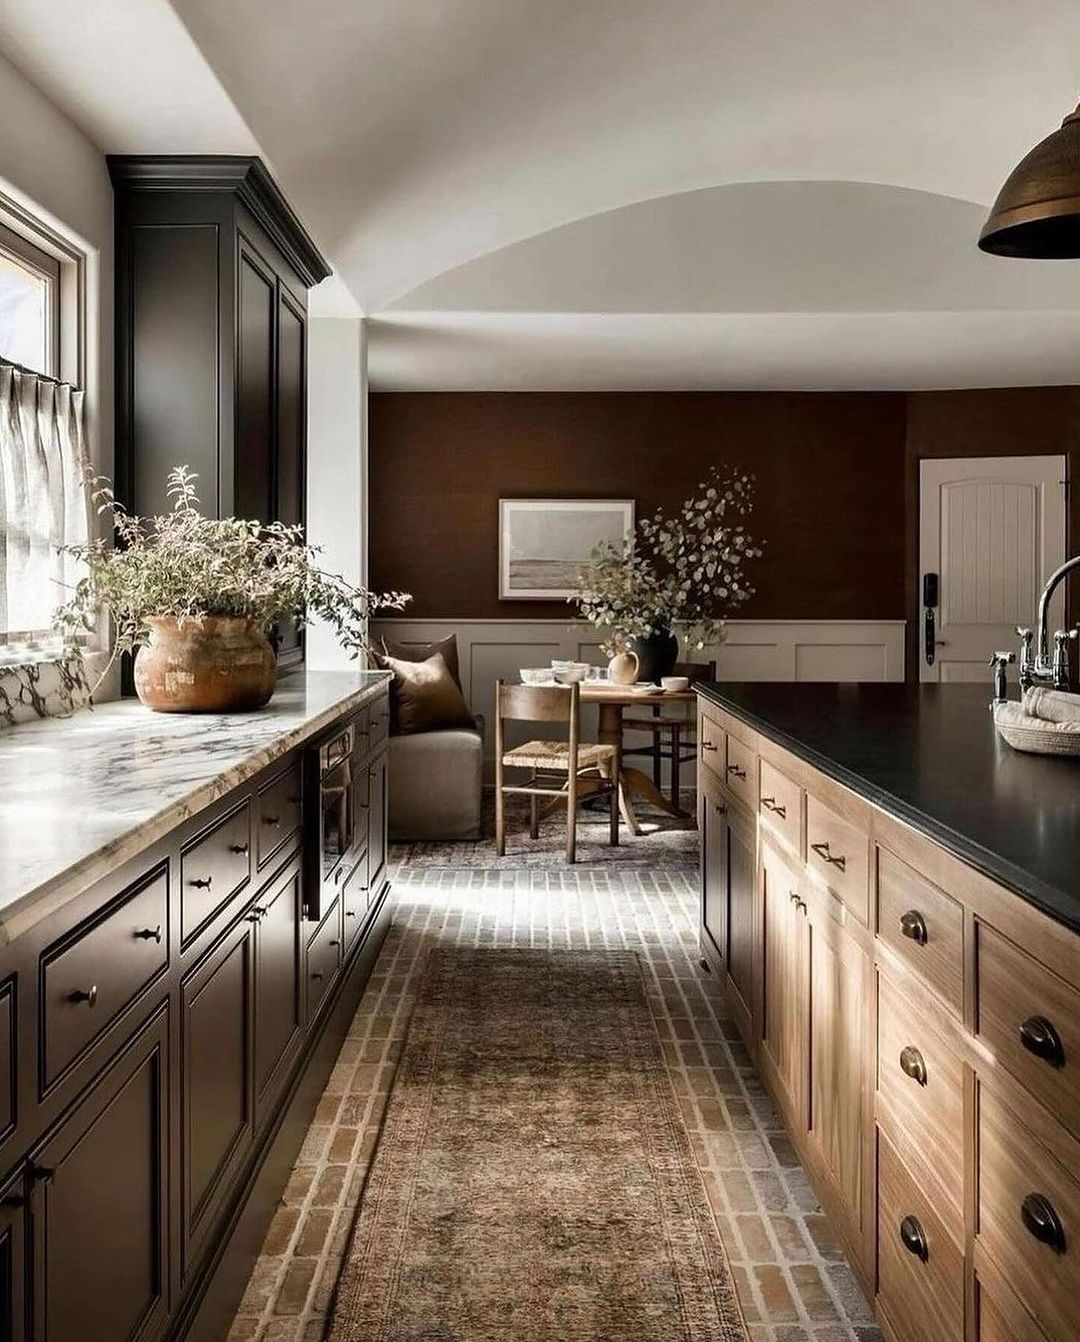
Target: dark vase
(656,654)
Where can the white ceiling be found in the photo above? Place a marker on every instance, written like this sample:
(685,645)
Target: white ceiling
(416,136)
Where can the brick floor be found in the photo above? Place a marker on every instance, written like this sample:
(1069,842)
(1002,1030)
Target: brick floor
(789,1271)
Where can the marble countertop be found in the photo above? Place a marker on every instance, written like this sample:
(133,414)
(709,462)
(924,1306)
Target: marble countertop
(79,796)
(930,755)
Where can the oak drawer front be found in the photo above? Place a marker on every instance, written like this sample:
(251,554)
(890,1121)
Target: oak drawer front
(712,744)
(921,1081)
(90,976)
(1002,1321)
(920,1267)
(323,958)
(740,772)
(1029,1216)
(278,815)
(780,804)
(213,868)
(839,852)
(923,925)
(1030,1019)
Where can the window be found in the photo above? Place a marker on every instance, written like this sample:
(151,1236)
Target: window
(29,304)
(42,447)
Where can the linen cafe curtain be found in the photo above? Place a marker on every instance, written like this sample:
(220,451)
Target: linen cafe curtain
(43,501)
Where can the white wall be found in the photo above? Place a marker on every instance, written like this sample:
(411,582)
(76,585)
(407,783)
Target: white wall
(337,462)
(50,167)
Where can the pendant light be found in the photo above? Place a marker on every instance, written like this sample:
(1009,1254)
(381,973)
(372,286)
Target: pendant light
(1037,212)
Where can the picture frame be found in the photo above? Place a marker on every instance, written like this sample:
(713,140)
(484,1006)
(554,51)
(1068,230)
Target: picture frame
(544,543)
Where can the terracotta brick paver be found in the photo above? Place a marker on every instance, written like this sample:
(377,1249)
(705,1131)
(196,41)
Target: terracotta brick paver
(789,1271)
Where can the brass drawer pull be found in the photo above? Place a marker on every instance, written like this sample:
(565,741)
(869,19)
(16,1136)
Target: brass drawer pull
(1038,1036)
(272,820)
(737,771)
(82,995)
(202,882)
(771,804)
(913,1064)
(913,926)
(822,850)
(709,745)
(913,1238)
(150,934)
(1041,1220)
(350,913)
(239,848)
(317,974)
(258,913)
(799,903)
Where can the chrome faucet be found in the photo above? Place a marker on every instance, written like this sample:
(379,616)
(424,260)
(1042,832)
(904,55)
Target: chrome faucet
(1042,668)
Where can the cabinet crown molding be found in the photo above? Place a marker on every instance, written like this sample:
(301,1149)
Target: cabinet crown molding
(244,176)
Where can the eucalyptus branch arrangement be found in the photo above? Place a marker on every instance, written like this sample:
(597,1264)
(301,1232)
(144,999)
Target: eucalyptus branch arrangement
(685,572)
(186,566)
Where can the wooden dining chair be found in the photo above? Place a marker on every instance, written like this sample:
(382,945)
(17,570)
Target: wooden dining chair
(672,735)
(560,770)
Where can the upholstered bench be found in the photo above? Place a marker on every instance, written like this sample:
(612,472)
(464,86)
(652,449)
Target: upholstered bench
(436,785)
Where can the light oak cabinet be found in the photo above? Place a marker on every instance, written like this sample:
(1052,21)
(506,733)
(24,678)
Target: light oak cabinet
(919,1029)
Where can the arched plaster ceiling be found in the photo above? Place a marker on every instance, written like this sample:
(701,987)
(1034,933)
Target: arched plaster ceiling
(415,137)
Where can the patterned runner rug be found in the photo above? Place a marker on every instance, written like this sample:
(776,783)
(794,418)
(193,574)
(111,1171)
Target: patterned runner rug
(533,1180)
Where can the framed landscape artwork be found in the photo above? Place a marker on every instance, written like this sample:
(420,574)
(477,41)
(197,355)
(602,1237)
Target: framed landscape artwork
(545,543)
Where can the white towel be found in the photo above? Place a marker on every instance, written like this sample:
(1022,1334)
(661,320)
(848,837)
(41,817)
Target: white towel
(1051,705)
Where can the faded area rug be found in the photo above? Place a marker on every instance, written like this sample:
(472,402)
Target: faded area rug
(533,1180)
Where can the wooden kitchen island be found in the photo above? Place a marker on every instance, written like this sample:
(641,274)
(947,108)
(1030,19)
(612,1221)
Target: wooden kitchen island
(891,898)
(180,959)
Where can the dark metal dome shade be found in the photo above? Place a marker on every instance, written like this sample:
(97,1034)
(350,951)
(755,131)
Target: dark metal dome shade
(1037,212)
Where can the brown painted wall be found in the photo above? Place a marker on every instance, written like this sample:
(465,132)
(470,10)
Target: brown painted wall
(837,482)
(830,470)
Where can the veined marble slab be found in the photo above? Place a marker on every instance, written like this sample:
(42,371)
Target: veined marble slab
(82,795)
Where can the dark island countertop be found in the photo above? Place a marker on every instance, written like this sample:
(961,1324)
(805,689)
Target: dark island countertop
(929,755)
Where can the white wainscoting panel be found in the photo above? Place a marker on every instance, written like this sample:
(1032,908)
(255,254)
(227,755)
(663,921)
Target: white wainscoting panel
(782,650)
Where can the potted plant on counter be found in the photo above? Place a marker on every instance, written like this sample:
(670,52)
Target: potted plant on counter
(682,574)
(195,597)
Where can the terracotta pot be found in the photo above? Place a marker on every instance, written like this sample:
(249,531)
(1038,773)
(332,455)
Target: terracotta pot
(217,664)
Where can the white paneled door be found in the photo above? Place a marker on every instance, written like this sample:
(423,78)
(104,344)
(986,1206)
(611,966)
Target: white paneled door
(991,530)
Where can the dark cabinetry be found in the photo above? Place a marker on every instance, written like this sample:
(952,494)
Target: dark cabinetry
(213,269)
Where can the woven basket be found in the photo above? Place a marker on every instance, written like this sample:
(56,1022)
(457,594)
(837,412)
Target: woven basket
(1036,735)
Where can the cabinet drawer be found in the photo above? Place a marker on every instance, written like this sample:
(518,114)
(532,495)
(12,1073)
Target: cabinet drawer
(213,868)
(740,772)
(839,852)
(1029,1216)
(711,744)
(780,803)
(920,1267)
(921,1081)
(354,901)
(1030,1018)
(1001,1319)
(923,925)
(323,958)
(379,728)
(90,976)
(278,818)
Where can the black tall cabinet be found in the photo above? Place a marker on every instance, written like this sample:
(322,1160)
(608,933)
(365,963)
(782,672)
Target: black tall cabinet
(212,273)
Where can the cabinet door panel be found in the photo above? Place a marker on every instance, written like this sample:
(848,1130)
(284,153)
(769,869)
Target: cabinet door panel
(741,858)
(840,1018)
(100,1205)
(783,1048)
(13,1275)
(217,1104)
(277,983)
(714,893)
(290,413)
(377,820)
(254,388)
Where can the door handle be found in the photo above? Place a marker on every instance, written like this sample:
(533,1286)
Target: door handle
(930,601)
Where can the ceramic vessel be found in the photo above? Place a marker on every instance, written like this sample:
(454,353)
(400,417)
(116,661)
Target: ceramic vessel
(217,664)
(656,654)
(623,668)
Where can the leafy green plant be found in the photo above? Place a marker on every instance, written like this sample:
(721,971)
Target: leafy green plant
(685,572)
(187,566)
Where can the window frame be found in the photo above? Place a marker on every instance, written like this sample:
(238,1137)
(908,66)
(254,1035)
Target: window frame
(27,254)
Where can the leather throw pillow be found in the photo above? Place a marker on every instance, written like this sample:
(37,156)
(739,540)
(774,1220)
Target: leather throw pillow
(426,695)
(420,652)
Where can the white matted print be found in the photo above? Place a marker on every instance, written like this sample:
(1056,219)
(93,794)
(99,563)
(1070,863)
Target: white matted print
(545,543)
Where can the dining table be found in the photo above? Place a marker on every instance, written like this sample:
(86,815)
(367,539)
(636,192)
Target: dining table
(611,700)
